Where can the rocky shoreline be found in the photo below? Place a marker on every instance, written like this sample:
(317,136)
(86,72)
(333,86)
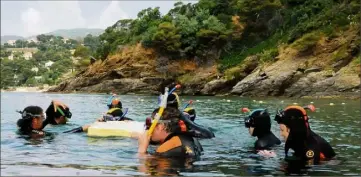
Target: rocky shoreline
(26,89)
(318,72)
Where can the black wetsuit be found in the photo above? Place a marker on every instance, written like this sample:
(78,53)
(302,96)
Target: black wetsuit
(179,145)
(314,149)
(266,141)
(262,130)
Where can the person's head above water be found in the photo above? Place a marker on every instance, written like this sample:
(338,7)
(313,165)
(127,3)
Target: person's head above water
(294,126)
(172,99)
(182,124)
(31,119)
(115,103)
(191,113)
(258,122)
(295,119)
(167,124)
(57,114)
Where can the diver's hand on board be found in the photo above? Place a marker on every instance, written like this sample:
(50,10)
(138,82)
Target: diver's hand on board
(143,142)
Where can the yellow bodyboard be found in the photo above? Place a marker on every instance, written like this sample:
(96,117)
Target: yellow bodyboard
(115,128)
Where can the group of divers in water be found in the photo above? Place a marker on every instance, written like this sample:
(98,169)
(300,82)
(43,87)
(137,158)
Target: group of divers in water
(177,135)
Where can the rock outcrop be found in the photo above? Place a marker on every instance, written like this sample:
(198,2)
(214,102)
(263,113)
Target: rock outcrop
(331,68)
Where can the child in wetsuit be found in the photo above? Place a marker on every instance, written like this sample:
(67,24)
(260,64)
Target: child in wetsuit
(307,145)
(259,125)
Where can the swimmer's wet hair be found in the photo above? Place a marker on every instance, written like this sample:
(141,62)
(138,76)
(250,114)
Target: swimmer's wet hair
(24,124)
(172,114)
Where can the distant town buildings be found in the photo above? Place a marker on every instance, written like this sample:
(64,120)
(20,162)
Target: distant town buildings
(65,39)
(11,57)
(33,40)
(38,77)
(11,42)
(48,64)
(35,69)
(27,53)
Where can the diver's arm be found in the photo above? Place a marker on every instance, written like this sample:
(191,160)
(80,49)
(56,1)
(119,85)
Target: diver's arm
(143,142)
(57,103)
(78,129)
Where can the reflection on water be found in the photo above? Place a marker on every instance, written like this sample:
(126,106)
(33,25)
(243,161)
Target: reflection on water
(230,153)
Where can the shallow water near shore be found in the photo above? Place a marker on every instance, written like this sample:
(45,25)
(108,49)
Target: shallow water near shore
(225,155)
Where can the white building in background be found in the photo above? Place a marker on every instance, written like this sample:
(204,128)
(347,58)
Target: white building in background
(65,39)
(32,40)
(38,77)
(48,64)
(11,56)
(35,69)
(11,42)
(28,55)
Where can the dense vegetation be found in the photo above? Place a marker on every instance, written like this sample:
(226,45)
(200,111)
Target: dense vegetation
(226,31)
(19,71)
(234,28)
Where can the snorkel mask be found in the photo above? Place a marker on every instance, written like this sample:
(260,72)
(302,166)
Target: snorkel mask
(27,115)
(67,113)
(149,121)
(280,117)
(185,126)
(249,120)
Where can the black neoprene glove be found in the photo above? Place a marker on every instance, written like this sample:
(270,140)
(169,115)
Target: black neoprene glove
(75,130)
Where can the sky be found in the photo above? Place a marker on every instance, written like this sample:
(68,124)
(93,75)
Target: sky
(27,18)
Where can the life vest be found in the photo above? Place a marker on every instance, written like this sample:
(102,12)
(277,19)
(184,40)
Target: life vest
(110,111)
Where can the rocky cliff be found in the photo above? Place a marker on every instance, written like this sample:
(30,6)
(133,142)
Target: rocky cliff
(328,67)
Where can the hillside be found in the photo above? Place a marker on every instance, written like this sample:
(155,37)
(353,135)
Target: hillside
(289,48)
(76,32)
(66,33)
(5,38)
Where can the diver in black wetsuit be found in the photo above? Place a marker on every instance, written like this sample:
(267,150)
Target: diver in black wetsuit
(307,145)
(259,125)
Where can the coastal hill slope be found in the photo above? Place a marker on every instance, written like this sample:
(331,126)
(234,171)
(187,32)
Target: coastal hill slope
(218,47)
(66,33)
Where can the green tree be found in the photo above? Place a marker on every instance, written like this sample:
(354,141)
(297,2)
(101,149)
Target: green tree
(82,51)
(32,44)
(92,42)
(166,39)
(44,38)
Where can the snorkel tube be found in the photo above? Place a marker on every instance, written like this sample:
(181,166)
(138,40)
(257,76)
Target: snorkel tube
(125,113)
(110,99)
(189,103)
(163,104)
